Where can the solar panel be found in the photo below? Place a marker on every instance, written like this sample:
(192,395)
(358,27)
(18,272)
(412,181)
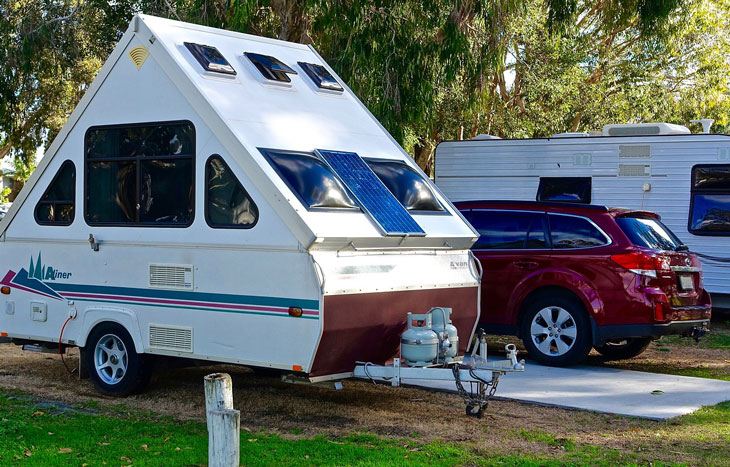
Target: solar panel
(376,199)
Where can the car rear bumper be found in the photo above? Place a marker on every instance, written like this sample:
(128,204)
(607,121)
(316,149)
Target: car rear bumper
(601,334)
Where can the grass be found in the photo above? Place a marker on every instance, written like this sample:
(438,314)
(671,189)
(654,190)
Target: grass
(35,432)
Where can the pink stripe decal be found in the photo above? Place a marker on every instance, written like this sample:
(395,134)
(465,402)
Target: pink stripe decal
(188,303)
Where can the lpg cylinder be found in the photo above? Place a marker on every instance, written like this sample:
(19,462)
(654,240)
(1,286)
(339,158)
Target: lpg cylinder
(448,336)
(419,344)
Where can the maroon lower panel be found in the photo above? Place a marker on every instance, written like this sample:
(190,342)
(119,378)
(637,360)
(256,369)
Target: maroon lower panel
(367,327)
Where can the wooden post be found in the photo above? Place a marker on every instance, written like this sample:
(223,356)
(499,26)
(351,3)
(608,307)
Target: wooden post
(224,423)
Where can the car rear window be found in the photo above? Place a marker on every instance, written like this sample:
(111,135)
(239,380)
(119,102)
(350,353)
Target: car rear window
(574,232)
(648,233)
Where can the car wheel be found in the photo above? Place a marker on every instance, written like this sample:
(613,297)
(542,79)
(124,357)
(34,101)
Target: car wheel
(113,365)
(555,331)
(624,348)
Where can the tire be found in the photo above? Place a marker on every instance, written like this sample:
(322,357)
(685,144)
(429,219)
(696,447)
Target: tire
(572,341)
(623,349)
(112,363)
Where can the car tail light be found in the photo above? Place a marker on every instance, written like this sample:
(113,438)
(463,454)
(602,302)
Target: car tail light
(641,263)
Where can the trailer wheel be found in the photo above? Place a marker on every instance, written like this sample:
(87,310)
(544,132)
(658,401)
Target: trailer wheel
(114,366)
(623,349)
(556,331)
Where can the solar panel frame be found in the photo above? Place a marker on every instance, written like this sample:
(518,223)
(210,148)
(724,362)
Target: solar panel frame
(376,200)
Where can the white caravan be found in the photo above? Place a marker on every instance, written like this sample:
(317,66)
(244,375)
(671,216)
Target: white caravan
(654,166)
(207,200)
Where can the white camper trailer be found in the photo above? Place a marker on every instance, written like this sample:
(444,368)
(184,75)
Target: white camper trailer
(654,166)
(225,197)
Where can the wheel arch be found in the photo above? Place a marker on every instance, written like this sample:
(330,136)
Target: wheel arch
(94,316)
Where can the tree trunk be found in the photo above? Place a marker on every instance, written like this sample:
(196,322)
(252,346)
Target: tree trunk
(294,21)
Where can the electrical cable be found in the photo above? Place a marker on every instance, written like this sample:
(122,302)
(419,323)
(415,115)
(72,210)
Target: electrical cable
(60,348)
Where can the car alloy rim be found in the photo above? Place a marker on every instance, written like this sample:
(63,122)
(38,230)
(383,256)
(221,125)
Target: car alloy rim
(553,331)
(110,359)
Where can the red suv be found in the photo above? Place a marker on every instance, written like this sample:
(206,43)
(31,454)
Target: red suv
(567,277)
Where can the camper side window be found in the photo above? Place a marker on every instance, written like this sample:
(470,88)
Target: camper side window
(227,204)
(56,206)
(310,179)
(709,212)
(565,189)
(407,185)
(140,175)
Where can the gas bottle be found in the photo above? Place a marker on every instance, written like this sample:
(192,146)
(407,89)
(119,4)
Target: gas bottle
(447,333)
(419,344)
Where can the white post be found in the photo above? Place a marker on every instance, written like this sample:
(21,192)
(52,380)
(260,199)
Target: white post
(224,423)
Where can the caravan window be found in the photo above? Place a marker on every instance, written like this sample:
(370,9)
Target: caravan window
(227,204)
(566,189)
(407,185)
(310,179)
(140,174)
(709,212)
(56,206)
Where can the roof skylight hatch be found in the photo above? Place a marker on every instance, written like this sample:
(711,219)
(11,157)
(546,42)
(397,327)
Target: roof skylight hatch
(210,58)
(321,77)
(271,68)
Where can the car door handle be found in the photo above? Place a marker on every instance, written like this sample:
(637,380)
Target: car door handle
(526,264)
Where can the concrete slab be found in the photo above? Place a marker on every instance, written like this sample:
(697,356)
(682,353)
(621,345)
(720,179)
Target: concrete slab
(606,390)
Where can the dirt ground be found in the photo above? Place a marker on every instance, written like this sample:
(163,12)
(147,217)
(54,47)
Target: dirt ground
(293,410)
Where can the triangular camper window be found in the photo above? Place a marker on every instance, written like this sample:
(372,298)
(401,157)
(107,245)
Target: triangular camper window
(227,204)
(57,205)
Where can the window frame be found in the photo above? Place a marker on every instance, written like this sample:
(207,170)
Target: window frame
(205,198)
(700,191)
(444,210)
(541,214)
(138,224)
(541,189)
(73,199)
(265,152)
(590,221)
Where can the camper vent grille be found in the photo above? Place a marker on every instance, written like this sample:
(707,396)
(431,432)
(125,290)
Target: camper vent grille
(171,338)
(643,150)
(171,276)
(723,154)
(634,170)
(582,158)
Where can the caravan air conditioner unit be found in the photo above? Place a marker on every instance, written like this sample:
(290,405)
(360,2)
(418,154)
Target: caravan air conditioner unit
(645,129)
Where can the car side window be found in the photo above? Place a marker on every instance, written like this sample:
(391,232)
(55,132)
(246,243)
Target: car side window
(506,230)
(574,232)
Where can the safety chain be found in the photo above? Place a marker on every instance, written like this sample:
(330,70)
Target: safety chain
(477,402)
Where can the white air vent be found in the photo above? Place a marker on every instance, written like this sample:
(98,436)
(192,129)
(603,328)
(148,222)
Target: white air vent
(171,276)
(634,170)
(638,129)
(639,150)
(171,338)
(723,154)
(582,158)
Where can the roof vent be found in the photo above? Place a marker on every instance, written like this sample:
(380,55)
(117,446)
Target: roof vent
(484,136)
(706,124)
(645,129)
(210,58)
(270,67)
(171,276)
(322,78)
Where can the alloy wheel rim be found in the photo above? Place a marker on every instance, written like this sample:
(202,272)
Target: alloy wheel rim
(553,331)
(110,359)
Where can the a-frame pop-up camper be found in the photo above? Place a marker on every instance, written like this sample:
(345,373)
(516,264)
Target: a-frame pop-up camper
(226,197)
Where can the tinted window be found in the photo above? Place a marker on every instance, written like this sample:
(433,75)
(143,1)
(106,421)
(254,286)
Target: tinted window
(311,179)
(407,185)
(210,58)
(504,230)
(271,67)
(649,233)
(567,189)
(710,204)
(227,203)
(56,206)
(574,232)
(140,174)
